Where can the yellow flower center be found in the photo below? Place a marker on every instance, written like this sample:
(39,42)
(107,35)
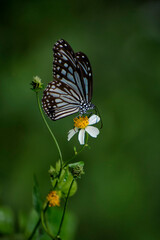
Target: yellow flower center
(53,199)
(81,122)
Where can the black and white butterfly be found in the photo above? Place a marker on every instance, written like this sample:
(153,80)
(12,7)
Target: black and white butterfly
(71,90)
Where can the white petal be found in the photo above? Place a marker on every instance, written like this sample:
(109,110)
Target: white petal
(81,136)
(72,132)
(93,131)
(93,119)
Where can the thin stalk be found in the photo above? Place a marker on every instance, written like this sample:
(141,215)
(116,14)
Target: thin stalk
(61,161)
(34,230)
(37,225)
(44,225)
(64,210)
(54,138)
(77,153)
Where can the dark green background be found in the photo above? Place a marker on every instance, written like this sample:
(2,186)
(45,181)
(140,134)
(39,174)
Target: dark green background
(118,197)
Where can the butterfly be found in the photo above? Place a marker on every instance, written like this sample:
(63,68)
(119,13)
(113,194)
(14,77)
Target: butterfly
(71,90)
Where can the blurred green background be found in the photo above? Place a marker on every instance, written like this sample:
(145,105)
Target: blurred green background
(118,197)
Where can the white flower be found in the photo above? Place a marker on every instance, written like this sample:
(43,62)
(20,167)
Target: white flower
(82,125)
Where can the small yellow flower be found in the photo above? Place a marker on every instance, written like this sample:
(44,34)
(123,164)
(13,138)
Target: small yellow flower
(81,122)
(53,199)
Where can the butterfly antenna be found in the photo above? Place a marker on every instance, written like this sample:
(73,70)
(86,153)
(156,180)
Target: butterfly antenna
(97,112)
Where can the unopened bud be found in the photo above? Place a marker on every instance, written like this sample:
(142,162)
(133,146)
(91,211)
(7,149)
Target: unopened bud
(76,169)
(36,83)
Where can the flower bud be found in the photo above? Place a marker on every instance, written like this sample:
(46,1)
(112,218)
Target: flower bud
(52,172)
(77,169)
(58,238)
(36,83)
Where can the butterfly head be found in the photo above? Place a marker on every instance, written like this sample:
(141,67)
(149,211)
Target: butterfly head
(84,107)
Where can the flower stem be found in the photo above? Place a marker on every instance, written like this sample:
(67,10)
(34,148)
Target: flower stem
(44,224)
(61,162)
(54,138)
(77,153)
(37,225)
(34,230)
(64,210)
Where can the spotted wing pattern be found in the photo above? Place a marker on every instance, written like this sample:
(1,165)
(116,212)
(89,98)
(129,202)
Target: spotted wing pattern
(86,73)
(72,85)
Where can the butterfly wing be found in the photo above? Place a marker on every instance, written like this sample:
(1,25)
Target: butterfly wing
(72,85)
(59,100)
(86,74)
(66,68)
(63,96)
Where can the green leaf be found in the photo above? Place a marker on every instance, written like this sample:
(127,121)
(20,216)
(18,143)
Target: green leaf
(65,182)
(37,203)
(67,185)
(58,164)
(55,173)
(52,170)
(65,175)
(6,220)
(72,165)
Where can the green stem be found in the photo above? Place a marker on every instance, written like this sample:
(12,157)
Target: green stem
(44,224)
(55,140)
(34,230)
(77,153)
(37,225)
(61,162)
(65,206)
